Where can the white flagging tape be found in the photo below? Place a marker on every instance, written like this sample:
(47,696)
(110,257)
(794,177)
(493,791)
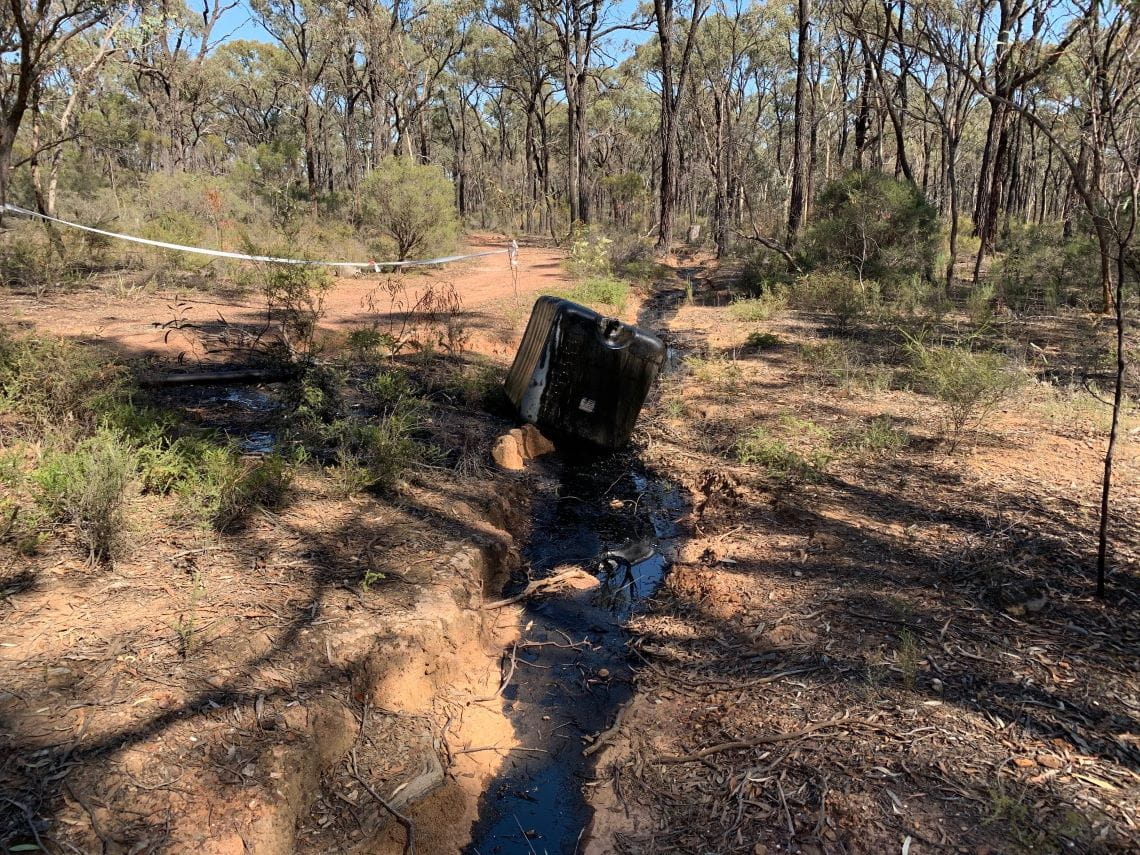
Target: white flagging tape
(220,253)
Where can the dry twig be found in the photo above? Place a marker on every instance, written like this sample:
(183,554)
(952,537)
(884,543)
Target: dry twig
(409,826)
(765,739)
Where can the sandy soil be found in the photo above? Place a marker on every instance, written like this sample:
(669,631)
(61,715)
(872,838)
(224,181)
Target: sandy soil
(134,317)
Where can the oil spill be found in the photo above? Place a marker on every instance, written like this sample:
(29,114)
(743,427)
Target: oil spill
(245,414)
(613,518)
(572,686)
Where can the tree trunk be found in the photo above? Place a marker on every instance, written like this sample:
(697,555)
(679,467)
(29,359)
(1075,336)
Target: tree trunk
(1117,400)
(796,203)
(582,152)
(952,181)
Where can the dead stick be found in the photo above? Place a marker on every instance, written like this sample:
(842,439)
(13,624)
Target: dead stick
(603,738)
(895,621)
(221,378)
(766,739)
(539,585)
(506,680)
(409,826)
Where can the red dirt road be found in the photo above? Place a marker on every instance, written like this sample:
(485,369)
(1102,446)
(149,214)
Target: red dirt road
(134,321)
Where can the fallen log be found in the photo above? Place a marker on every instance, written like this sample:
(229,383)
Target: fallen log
(238,377)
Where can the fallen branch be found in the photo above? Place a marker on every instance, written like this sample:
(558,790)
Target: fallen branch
(541,585)
(895,621)
(603,739)
(409,826)
(500,748)
(249,375)
(766,739)
(506,680)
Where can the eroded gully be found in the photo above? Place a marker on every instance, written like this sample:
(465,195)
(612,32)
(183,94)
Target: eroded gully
(614,517)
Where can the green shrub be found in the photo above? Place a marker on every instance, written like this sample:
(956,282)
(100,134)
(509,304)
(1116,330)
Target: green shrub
(86,488)
(633,257)
(968,383)
(589,254)
(54,382)
(166,465)
(641,271)
(21,521)
(915,298)
(763,271)
(758,308)
(317,397)
(20,526)
(295,295)
(600,292)
(873,227)
(758,447)
(979,303)
(477,384)
(411,205)
(224,488)
(356,452)
(833,362)
(366,342)
(192,210)
(27,260)
(1041,270)
(842,295)
(762,340)
(713,371)
(879,436)
(388,389)
(375,452)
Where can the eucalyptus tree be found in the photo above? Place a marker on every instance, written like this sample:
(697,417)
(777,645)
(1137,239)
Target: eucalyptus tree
(170,64)
(33,35)
(725,48)
(69,85)
(797,201)
(305,29)
(526,66)
(949,31)
(256,89)
(579,27)
(674,70)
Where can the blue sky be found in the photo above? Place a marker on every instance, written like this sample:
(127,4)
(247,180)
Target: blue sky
(240,23)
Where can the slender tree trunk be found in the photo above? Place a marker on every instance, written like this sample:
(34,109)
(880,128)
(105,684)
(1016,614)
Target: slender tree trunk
(796,203)
(1117,401)
(863,118)
(952,180)
(671,93)
(572,149)
(582,152)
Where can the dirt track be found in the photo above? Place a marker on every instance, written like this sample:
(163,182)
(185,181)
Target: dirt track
(131,317)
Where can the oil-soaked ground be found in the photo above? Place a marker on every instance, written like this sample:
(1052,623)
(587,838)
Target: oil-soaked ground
(572,682)
(570,685)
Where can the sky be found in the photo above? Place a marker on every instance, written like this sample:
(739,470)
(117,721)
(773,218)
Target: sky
(240,23)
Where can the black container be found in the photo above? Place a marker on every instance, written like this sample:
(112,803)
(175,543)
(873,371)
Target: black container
(581,377)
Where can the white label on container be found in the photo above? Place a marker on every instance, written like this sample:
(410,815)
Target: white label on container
(586,405)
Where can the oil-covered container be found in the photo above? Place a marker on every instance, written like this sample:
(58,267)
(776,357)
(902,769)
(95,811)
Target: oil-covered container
(580,376)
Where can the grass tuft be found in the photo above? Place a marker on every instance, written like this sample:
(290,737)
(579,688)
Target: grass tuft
(86,488)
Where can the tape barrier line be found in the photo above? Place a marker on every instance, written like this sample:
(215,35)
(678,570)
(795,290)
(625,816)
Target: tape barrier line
(221,253)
